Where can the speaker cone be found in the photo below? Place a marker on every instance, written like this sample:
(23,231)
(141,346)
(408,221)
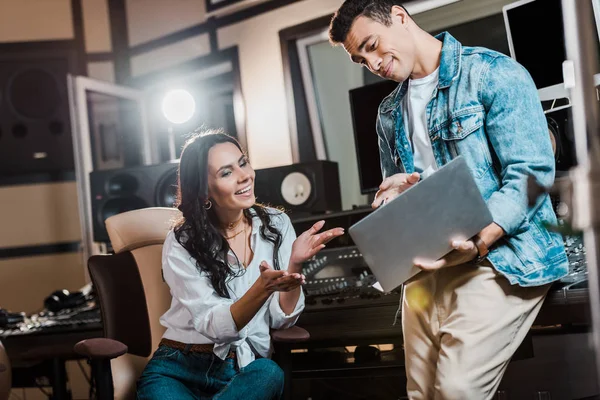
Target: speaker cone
(122,184)
(34,93)
(554,132)
(560,130)
(166,190)
(296,188)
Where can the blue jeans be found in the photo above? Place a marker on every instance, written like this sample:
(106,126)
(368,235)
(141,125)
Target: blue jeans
(173,374)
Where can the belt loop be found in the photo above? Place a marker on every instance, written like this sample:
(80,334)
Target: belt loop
(187,349)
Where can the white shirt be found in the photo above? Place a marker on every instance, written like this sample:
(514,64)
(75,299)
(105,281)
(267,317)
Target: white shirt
(414,112)
(199,315)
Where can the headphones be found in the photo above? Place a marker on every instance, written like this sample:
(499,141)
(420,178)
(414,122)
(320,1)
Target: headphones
(8,319)
(63,299)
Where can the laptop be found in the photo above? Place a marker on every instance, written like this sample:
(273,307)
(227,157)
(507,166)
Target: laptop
(421,222)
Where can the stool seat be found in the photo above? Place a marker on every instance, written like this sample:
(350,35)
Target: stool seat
(101,348)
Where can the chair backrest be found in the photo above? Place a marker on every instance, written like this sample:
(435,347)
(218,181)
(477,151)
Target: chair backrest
(122,301)
(5,374)
(141,234)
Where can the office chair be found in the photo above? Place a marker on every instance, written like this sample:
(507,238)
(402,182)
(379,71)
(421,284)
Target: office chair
(5,374)
(133,296)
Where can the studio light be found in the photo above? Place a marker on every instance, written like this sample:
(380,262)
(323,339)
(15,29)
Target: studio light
(178,106)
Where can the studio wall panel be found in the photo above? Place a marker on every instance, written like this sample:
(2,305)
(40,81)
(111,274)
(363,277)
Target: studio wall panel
(102,70)
(35,20)
(96,25)
(171,55)
(151,19)
(39,214)
(26,282)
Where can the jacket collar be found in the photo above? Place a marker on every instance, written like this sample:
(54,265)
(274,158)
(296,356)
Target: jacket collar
(449,70)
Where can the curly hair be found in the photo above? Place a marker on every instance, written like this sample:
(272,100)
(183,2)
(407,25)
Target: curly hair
(377,10)
(198,229)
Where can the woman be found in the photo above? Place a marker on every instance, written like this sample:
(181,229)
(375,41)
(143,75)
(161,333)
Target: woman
(235,271)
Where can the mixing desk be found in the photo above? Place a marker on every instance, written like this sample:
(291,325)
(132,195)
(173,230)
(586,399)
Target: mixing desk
(341,301)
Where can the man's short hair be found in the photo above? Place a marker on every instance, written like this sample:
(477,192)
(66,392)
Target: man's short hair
(377,10)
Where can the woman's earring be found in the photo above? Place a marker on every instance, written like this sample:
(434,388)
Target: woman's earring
(207,204)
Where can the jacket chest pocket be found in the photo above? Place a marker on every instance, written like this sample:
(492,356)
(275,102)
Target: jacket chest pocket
(464,135)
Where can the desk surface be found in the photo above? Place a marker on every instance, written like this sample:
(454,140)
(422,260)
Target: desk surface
(41,338)
(373,319)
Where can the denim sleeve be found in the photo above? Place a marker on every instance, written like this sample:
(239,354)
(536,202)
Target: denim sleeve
(518,134)
(386,158)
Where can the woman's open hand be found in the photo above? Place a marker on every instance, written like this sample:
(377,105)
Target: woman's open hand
(279,281)
(311,242)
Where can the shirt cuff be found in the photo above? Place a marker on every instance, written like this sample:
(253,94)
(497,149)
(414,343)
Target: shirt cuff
(220,326)
(281,320)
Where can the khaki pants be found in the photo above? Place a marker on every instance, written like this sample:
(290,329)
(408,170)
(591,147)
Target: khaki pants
(461,326)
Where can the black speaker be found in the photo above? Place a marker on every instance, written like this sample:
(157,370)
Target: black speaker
(560,129)
(35,128)
(305,188)
(119,190)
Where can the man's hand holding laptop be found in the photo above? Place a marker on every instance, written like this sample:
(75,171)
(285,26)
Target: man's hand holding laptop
(464,250)
(393,185)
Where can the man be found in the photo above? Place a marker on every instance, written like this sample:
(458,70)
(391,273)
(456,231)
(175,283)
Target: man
(466,315)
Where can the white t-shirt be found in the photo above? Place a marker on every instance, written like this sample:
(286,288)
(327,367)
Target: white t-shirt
(199,315)
(414,112)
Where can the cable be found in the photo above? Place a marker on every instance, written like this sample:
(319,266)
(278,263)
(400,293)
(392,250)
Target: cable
(87,378)
(43,390)
(14,393)
(41,387)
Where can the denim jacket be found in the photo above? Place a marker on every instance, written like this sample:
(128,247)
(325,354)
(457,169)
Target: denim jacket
(486,109)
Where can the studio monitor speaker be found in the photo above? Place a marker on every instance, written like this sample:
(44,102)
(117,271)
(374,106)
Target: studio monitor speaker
(35,129)
(304,188)
(119,190)
(560,129)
